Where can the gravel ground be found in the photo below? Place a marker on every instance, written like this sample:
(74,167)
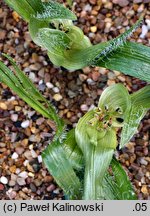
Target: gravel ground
(24,133)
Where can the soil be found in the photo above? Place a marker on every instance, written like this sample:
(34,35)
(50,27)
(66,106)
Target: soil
(24,133)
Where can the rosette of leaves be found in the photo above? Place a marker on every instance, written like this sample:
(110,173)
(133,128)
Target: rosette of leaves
(51,26)
(82,160)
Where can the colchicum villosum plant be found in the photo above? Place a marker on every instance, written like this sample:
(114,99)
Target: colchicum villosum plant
(82,160)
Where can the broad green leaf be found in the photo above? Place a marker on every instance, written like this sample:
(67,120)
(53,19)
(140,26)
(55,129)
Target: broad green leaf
(72,151)
(132,59)
(53,10)
(97,147)
(131,123)
(54,40)
(142,97)
(97,161)
(117,186)
(34,26)
(26,8)
(114,44)
(59,166)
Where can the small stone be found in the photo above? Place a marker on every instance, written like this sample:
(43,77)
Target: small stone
(14,117)
(39,158)
(1,187)
(24,142)
(19,150)
(40,121)
(34,154)
(37,182)
(56,89)
(57,97)
(30,168)
(33,187)
(121,3)
(93,29)
(144,31)
(49,85)
(4,180)
(3,106)
(30,174)
(11,193)
(21,181)
(50,188)
(25,124)
(84,107)
(14,156)
(23,174)
(28,154)
(12,183)
(144,189)
(12,169)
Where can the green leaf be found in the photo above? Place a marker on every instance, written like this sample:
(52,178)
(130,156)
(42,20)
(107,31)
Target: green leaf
(132,59)
(97,147)
(54,40)
(26,8)
(53,10)
(59,166)
(21,85)
(72,151)
(114,44)
(34,26)
(117,186)
(131,123)
(142,97)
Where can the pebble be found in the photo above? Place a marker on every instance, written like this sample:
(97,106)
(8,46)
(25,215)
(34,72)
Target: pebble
(3,106)
(4,180)
(1,187)
(39,158)
(121,3)
(49,85)
(21,181)
(57,97)
(93,29)
(14,156)
(19,150)
(84,107)
(34,154)
(23,174)
(12,183)
(11,193)
(144,31)
(28,154)
(33,187)
(14,117)
(25,124)
(56,89)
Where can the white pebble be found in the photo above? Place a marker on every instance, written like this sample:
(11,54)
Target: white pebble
(56,89)
(49,85)
(25,162)
(84,107)
(25,124)
(144,31)
(4,180)
(40,159)
(23,174)
(34,154)
(32,76)
(14,156)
